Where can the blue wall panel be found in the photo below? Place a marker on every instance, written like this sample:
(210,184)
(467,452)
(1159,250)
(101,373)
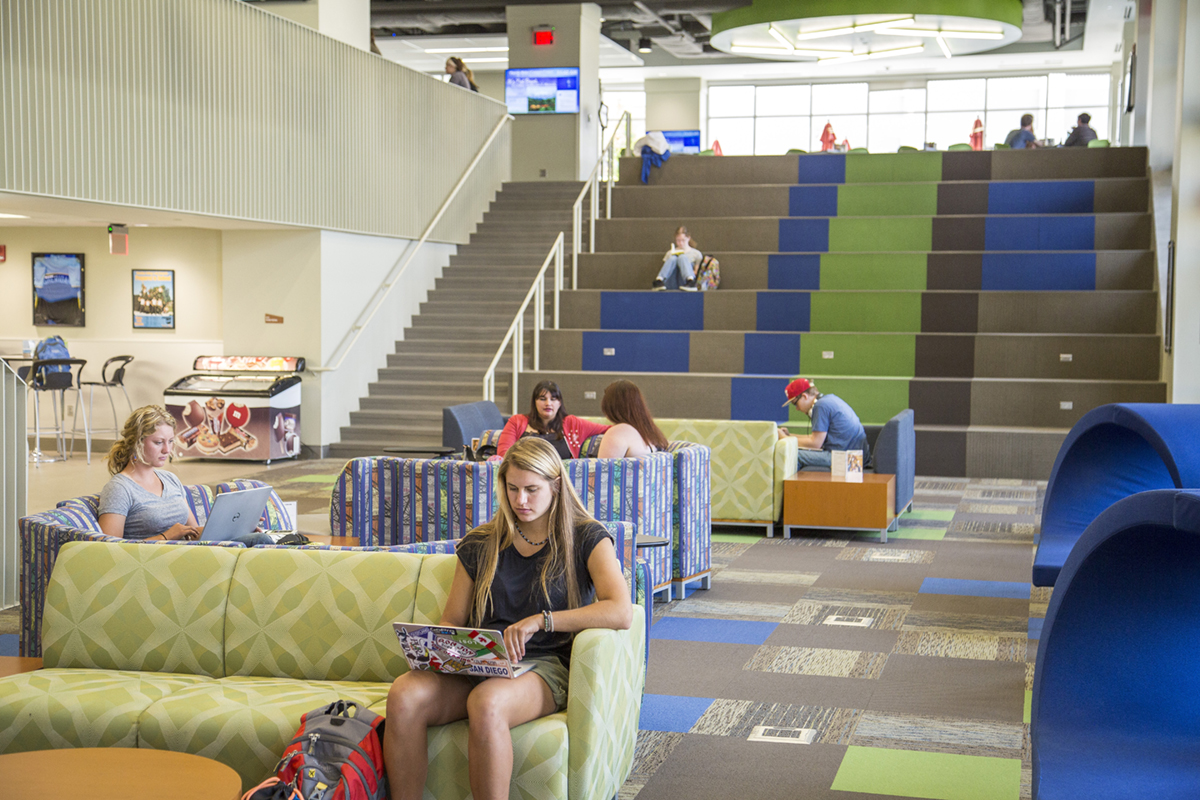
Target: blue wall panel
(758,398)
(1039,271)
(1040,233)
(1041,197)
(635,351)
(813,201)
(652,311)
(803,236)
(822,168)
(794,271)
(772,354)
(784,311)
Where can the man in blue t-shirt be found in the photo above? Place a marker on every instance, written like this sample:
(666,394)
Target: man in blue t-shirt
(835,426)
(1022,138)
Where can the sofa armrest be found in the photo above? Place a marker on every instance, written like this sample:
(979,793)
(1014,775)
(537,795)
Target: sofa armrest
(786,453)
(605,701)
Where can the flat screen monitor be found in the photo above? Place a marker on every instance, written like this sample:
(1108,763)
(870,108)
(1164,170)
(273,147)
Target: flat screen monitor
(683,141)
(545,90)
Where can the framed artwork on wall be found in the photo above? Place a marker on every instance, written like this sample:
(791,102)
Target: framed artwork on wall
(154,298)
(58,289)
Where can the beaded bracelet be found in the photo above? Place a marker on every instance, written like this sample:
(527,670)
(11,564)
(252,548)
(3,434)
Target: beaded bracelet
(547,622)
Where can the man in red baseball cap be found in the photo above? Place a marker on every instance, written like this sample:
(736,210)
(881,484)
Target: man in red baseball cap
(835,426)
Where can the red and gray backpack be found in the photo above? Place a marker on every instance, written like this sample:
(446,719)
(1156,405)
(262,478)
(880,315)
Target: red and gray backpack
(336,755)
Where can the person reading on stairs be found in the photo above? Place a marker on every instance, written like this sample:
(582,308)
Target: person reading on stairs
(679,264)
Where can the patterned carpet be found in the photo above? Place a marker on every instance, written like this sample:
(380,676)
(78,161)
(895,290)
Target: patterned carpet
(897,670)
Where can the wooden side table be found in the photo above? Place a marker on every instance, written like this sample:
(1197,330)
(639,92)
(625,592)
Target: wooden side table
(15,665)
(815,500)
(116,773)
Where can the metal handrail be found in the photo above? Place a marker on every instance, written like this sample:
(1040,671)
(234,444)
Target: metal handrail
(594,211)
(394,275)
(537,293)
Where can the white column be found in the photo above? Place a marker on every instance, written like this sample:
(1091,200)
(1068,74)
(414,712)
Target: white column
(1185,223)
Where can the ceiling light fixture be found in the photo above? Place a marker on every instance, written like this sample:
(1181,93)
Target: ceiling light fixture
(489,60)
(644,45)
(13,216)
(945,47)
(779,37)
(780,52)
(899,51)
(453,50)
(924,32)
(845,29)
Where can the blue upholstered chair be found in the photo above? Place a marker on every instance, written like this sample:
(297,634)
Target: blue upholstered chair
(462,423)
(1116,692)
(1112,452)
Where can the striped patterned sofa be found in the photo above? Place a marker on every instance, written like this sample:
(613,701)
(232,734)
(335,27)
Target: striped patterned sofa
(218,651)
(76,519)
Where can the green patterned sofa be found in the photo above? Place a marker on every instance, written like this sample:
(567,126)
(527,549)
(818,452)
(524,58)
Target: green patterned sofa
(749,465)
(218,651)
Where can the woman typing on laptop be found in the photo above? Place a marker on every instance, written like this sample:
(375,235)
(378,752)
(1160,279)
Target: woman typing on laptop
(540,570)
(142,500)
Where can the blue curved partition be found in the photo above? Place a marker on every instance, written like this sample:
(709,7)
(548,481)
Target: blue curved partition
(1116,688)
(1112,452)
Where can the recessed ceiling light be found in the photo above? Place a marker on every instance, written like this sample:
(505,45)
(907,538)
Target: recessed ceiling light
(13,216)
(923,32)
(644,45)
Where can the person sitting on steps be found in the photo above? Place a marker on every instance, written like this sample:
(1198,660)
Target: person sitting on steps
(681,258)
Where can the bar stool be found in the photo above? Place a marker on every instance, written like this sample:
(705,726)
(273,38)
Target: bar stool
(57,383)
(116,379)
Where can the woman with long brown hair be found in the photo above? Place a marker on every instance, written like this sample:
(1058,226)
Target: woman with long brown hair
(540,570)
(459,74)
(634,432)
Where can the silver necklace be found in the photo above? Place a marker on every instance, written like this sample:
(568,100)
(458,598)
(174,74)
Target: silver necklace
(526,538)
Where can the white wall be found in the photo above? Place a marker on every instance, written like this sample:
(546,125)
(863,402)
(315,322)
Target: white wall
(160,356)
(674,104)
(1186,218)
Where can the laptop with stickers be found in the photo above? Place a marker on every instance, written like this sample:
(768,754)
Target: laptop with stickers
(456,651)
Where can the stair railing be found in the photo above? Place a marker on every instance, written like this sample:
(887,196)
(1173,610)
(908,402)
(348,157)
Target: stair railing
(603,165)
(392,279)
(516,331)
(14,480)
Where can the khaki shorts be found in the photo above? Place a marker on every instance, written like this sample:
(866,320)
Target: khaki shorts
(550,670)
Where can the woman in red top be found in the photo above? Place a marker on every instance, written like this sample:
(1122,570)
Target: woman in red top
(546,420)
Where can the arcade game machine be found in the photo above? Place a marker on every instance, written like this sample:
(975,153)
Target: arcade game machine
(244,408)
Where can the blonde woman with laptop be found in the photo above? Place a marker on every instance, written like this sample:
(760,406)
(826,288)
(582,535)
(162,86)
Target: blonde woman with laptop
(540,570)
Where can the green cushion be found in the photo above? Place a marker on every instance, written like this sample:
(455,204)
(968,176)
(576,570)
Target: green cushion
(55,708)
(132,607)
(244,722)
(743,463)
(539,761)
(319,614)
(433,587)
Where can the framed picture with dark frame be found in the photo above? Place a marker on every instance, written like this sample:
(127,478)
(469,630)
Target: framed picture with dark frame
(154,298)
(58,289)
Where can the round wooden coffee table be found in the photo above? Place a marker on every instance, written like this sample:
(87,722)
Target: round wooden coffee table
(116,773)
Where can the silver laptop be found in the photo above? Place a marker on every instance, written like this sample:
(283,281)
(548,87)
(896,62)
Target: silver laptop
(235,514)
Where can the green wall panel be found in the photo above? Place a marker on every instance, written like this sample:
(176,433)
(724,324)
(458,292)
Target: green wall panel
(893,167)
(859,234)
(873,271)
(875,400)
(858,354)
(854,312)
(883,200)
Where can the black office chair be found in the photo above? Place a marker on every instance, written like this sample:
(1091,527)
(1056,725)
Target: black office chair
(116,379)
(41,378)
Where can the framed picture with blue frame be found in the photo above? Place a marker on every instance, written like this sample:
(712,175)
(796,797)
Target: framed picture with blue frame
(154,298)
(58,289)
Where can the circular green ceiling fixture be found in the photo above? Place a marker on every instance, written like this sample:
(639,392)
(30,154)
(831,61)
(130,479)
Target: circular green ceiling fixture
(806,30)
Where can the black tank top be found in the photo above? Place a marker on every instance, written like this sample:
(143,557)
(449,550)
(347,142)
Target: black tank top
(559,443)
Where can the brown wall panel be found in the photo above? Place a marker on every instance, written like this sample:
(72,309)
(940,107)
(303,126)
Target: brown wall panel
(945,356)
(693,170)
(954,271)
(1122,231)
(1125,269)
(714,234)
(580,309)
(561,349)
(941,452)
(1068,312)
(1092,357)
(624,271)
(730,311)
(962,198)
(688,201)
(1022,454)
(668,395)
(958,233)
(1121,194)
(961,165)
(717,351)
(940,402)
(1069,162)
(1040,404)
(949,312)
(743,270)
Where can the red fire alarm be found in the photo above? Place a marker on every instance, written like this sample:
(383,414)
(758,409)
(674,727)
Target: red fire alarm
(543,35)
(3,253)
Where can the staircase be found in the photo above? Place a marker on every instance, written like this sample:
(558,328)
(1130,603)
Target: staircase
(444,354)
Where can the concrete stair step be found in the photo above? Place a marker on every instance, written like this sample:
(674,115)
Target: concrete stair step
(414,415)
(478,360)
(402,402)
(464,387)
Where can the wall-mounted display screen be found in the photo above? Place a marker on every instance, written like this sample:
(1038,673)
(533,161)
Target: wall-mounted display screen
(683,141)
(545,90)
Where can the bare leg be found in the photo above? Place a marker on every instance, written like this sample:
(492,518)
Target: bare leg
(494,708)
(416,701)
